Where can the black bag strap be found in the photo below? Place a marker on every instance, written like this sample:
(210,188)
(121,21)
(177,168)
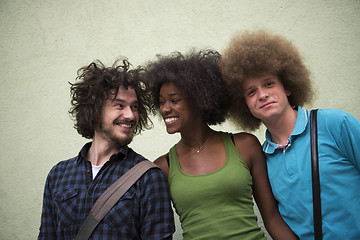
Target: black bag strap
(315,176)
(110,197)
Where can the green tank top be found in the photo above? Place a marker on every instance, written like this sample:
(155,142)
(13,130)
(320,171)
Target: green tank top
(217,205)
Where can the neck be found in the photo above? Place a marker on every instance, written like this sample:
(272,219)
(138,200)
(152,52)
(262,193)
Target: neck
(282,127)
(196,138)
(100,151)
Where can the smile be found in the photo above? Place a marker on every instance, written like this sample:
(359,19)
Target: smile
(266,105)
(124,125)
(170,120)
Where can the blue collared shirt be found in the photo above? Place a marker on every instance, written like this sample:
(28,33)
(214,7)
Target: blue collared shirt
(144,212)
(339,165)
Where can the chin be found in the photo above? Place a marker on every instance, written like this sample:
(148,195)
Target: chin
(124,140)
(170,131)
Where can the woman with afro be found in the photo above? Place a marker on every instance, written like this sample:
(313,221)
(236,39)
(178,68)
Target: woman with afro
(269,83)
(212,175)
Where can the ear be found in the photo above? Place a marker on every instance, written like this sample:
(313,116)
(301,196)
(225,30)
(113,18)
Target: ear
(287,92)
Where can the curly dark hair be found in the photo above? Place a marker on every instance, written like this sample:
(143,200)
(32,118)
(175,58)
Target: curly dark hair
(96,84)
(198,74)
(250,54)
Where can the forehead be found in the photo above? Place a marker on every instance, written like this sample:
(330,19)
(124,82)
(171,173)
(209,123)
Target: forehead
(170,88)
(258,79)
(125,94)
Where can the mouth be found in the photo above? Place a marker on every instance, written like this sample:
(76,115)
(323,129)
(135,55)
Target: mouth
(125,125)
(266,105)
(170,120)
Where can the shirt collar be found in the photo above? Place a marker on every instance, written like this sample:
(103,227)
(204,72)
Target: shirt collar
(302,120)
(120,155)
(300,126)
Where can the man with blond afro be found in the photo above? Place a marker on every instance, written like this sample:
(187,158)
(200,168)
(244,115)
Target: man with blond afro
(269,83)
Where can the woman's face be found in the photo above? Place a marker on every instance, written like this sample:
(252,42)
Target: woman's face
(175,108)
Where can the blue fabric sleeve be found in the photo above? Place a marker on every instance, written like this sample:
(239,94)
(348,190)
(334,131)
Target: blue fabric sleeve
(350,139)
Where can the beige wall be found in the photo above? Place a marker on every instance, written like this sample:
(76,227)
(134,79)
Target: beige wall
(43,43)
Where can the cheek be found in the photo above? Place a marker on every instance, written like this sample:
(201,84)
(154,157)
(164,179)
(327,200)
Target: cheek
(136,116)
(249,102)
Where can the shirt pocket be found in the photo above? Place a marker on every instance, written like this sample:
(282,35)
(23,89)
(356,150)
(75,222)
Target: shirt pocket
(66,205)
(121,214)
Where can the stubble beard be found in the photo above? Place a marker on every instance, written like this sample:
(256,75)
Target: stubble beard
(113,139)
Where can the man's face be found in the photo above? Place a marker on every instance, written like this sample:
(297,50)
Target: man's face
(119,117)
(266,97)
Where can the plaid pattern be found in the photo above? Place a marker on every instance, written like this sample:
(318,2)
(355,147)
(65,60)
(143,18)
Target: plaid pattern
(143,212)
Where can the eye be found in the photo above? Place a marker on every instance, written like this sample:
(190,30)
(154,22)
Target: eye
(135,107)
(269,83)
(175,100)
(250,92)
(119,105)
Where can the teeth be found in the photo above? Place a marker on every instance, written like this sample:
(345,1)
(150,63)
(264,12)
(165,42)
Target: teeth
(125,125)
(170,120)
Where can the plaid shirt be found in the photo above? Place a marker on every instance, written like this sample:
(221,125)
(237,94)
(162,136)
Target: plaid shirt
(143,212)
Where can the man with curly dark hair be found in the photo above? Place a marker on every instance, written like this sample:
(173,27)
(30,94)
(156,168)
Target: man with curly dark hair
(212,175)
(109,106)
(269,83)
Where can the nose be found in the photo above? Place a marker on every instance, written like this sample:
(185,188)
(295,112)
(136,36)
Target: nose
(128,113)
(165,108)
(263,94)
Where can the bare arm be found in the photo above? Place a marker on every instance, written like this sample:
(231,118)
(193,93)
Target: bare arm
(250,149)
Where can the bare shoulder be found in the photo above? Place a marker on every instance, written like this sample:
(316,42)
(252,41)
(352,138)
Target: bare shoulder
(249,147)
(162,163)
(246,139)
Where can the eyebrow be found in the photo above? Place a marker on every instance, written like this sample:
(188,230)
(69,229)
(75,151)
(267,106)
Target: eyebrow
(172,94)
(246,89)
(119,100)
(269,78)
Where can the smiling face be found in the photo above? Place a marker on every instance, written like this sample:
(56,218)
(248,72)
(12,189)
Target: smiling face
(119,118)
(266,97)
(174,108)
